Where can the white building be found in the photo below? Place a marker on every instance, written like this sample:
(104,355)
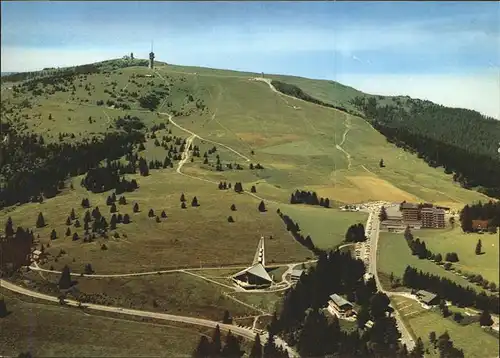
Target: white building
(255,276)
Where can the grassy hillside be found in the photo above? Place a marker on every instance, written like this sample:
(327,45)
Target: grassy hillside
(464,245)
(51,331)
(394,256)
(224,124)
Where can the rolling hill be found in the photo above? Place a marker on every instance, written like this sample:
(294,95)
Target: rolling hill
(154,186)
(300,144)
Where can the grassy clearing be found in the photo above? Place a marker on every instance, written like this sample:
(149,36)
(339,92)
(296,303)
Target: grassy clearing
(464,245)
(327,227)
(394,255)
(188,237)
(174,293)
(266,301)
(51,331)
(422,322)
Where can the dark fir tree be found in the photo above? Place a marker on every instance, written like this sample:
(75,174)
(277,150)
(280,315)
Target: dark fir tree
(158,219)
(136,208)
(256,351)
(3,308)
(68,221)
(68,232)
(87,218)
(151,213)
(262,207)
(183,198)
(112,222)
(163,214)
(232,347)
(112,208)
(216,345)
(72,215)
(9,228)
(40,222)
(53,234)
(203,350)
(419,349)
(126,219)
(76,237)
(383,214)
(485,319)
(432,338)
(479,246)
(77,223)
(194,202)
(227,318)
(183,205)
(230,219)
(253,189)
(65,280)
(233,207)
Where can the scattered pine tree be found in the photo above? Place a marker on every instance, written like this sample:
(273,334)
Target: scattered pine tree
(65,280)
(40,222)
(53,234)
(262,207)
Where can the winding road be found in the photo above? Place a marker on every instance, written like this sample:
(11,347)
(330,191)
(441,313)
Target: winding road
(240,331)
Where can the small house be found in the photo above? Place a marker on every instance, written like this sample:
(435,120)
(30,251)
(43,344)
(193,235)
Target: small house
(340,307)
(480,225)
(296,275)
(428,298)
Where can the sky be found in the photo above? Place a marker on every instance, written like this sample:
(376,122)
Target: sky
(447,52)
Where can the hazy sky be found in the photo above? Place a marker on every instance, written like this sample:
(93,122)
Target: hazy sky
(446,52)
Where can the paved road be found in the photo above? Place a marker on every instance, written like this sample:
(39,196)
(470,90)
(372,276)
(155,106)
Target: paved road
(372,268)
(243,332)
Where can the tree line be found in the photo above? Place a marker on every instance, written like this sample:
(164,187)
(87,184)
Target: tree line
(419,249)
(15,248)
(294,229)
(449,290)
(310,198)
(297,92)
(462,141)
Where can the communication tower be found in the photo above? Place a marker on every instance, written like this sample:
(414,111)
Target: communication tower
(151,57)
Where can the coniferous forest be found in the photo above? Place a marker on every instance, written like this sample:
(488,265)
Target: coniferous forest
(31,169)
(462,141)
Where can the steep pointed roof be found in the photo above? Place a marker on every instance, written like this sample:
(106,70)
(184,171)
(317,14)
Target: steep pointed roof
(257,270)
(260,253)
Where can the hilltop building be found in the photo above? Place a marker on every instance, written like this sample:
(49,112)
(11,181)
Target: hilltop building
(255,276)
